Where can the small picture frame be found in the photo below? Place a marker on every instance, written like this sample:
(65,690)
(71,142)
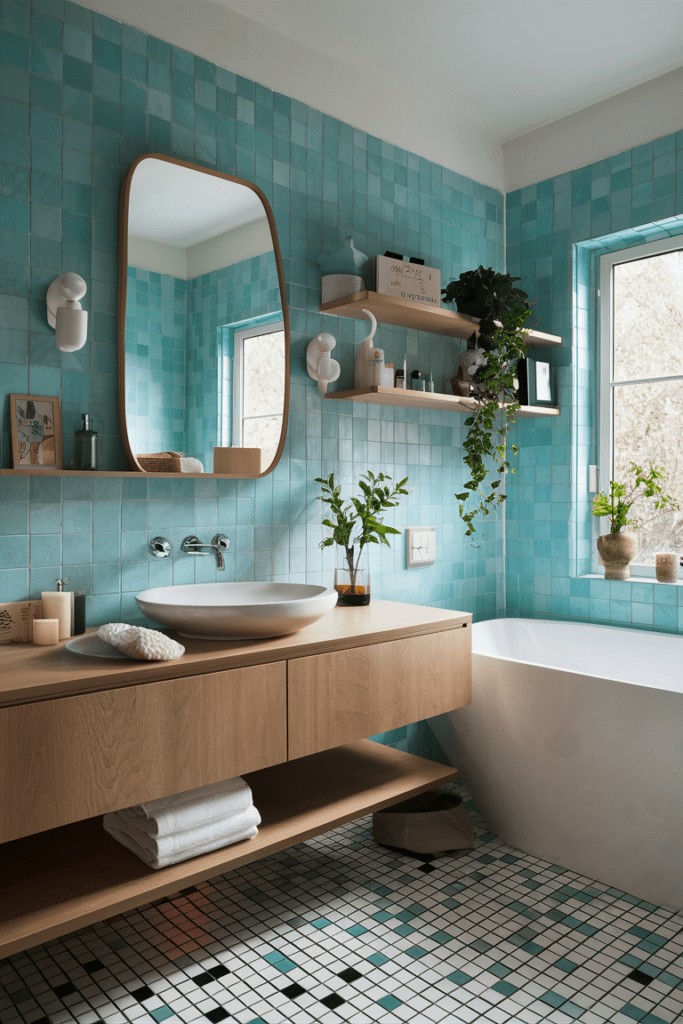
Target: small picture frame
(36,425)
(535,383)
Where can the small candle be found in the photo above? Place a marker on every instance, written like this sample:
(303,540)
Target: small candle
(57,605)
(666,566)
(45,632)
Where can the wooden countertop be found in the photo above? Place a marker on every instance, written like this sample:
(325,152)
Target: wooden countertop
(29,673)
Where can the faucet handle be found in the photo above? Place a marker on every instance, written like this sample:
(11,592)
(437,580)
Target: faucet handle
(160,547)
(192,545)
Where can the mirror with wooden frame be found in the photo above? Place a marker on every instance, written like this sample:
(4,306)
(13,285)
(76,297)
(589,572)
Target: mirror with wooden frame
(203,323)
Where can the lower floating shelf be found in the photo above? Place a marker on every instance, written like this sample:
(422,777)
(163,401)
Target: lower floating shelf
(75,875)
(427,400)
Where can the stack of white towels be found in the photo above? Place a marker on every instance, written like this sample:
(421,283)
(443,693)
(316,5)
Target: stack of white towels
(175,828)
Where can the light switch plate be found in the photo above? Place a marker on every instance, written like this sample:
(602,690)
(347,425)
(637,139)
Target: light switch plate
(420,546)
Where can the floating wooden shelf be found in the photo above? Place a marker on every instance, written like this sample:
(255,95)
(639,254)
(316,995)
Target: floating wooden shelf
(412,315)
(72,876)
(427,400)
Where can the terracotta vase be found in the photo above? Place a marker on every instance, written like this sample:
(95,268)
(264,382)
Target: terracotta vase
(616,551)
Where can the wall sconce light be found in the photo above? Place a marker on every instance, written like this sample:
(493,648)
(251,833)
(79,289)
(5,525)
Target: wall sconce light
(64,311)
(318,362)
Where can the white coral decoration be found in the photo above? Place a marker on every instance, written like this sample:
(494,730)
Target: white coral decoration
(140,643)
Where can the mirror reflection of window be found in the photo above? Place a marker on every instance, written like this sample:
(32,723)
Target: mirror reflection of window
(258,375)
(201,264)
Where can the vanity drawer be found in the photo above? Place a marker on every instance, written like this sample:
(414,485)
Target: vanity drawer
(347,695)
(72,758)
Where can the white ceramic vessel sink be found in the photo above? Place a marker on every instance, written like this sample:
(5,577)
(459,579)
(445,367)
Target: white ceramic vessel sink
(237,611)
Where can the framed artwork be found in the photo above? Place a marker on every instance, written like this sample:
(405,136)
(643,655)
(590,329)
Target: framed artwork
(36,423)
(535,383)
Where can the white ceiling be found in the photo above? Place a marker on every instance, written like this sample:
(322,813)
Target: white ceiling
(499,68)
(180,206)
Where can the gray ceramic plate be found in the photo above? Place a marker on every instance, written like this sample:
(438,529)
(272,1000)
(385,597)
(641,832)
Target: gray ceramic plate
(93,647)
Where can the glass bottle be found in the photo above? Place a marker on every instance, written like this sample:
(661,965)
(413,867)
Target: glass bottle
(85,446)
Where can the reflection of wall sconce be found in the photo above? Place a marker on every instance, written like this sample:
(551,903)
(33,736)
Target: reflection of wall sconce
(318,362)
(64,311)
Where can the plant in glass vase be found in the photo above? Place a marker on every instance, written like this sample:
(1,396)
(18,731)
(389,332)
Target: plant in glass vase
(616,549)
(360,516)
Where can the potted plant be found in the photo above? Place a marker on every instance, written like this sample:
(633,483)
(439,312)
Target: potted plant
(360,517)
(493,415)
(487,294)
(617,549)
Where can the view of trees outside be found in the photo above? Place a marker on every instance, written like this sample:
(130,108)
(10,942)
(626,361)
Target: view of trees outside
(263,393)
(648,417)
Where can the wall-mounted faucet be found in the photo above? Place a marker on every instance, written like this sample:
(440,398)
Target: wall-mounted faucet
(220,543)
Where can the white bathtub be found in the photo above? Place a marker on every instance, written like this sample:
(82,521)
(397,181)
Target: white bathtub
(573,748)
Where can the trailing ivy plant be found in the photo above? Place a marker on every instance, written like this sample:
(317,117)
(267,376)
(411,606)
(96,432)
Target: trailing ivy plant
(493,416)
(487,294)
(361,514)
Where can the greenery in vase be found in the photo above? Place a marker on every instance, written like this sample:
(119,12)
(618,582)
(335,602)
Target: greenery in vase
(360,516)
(493,416)
(491,295)
(616,504)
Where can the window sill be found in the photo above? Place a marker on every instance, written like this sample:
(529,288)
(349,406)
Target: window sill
(631,579)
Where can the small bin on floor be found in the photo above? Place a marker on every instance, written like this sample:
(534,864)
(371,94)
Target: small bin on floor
(428,823)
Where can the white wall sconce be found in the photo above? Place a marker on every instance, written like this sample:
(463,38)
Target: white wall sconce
(318,362)
(64,312)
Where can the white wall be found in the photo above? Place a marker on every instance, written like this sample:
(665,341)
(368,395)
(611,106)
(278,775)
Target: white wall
(629,119)
(232,41)
(241,243)
(222,251)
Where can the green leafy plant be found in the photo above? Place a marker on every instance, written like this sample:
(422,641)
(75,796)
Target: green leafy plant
(494,414)
(616,504)
(360,516)
(487,294)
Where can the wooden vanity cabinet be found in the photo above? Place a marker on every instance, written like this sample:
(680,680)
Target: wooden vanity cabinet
(79,739)
(98,752)
(337,698)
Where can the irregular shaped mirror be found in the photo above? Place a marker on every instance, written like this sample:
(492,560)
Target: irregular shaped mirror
(203,323)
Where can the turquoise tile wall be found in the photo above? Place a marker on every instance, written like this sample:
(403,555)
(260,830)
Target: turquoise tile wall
(156,352)
(214,301)
(555,231)
(78,104)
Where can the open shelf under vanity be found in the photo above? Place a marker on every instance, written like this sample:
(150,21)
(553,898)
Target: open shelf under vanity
(68,877)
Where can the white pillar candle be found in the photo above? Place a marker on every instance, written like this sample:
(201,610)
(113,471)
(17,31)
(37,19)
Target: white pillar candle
(57,605)
(45,632)
(666,566)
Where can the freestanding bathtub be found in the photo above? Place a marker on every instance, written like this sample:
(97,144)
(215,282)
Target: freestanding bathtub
(573,748)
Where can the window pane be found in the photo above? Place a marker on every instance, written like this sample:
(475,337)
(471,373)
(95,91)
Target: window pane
(647,430)
(648,317)
(264,434)
(264,374)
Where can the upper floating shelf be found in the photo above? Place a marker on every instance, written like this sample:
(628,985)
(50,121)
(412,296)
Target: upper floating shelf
(402,313)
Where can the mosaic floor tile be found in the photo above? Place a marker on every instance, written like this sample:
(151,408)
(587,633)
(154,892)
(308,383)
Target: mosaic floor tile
(340,929)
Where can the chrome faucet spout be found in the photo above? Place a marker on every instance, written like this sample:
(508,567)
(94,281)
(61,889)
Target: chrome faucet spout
(220,543)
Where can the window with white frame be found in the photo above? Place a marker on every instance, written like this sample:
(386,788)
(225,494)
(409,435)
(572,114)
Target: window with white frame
(641,371)
(258,388)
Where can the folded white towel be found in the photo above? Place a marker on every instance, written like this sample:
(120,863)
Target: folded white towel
(160,853)
(195,807)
